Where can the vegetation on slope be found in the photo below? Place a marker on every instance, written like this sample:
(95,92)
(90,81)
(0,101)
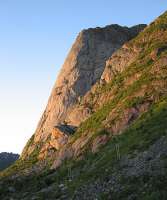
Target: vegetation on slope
(151,69)
(74,176)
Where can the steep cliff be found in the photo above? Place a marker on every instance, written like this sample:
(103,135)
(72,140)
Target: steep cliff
(134,79)
(82,68)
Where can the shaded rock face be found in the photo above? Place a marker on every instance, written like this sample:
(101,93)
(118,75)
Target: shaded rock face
(82,68)
(114,65)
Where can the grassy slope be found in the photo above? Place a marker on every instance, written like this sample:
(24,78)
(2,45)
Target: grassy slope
(138,137)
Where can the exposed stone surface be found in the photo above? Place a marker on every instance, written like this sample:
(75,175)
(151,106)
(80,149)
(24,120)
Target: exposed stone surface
(82,68)
(58,138)
(117,62)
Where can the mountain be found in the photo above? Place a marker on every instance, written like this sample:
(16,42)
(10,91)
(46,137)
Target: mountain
(82,68)
(103,134)
(7,159)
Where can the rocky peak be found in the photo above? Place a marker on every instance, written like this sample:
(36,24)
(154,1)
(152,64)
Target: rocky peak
(82,68)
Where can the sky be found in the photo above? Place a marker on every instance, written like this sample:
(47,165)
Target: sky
(35,37)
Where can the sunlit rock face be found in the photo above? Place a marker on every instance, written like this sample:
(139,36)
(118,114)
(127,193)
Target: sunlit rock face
(58,138)
(82,68)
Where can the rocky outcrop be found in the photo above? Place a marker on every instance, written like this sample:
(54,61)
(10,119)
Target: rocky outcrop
(82,68)
(58,138)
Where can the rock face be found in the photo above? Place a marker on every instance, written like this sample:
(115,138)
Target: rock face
(133,81)
(82,68)
(58,138)
(115,64)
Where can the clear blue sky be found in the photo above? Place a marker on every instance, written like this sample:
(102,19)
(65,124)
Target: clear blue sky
(35,37)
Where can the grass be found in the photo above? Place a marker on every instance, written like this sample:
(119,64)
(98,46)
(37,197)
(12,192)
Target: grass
(138,137)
